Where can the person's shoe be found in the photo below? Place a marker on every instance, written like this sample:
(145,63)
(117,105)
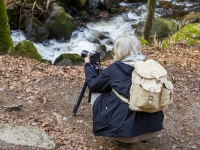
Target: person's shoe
(126,145)
(145,141)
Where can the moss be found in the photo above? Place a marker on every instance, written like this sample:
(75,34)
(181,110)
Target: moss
(74,58)
(192,42)
(35,30)
(188,35)
(143,41)
(28,49)
(3,16)
(59,24)
(163,27)
(6,44)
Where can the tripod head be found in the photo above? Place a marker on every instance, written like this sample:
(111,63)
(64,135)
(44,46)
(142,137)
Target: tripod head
(94,59)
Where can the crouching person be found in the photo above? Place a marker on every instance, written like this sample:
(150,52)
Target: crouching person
(111,115)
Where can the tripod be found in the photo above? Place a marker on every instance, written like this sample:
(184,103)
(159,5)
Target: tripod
(98,69)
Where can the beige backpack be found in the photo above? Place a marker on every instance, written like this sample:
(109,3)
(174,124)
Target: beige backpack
(150,90)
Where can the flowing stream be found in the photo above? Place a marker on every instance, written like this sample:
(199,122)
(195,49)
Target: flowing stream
(120,25)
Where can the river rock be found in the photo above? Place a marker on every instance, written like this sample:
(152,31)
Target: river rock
(115,10)
(84,15)
(27,48)
(21,135)
(112,4)
(193,17)
(68,60)
(59,24)
(13,14)
(80,3)
(35,30)
(93,3)
(188,35)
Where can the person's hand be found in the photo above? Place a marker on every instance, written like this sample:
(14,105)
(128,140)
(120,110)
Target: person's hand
(87,59)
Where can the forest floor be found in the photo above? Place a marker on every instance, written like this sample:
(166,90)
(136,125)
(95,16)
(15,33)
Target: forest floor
(47,95)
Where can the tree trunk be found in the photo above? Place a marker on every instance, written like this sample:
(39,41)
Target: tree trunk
(151,4)
(6,44)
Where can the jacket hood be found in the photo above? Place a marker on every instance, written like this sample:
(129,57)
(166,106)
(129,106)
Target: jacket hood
(128,69)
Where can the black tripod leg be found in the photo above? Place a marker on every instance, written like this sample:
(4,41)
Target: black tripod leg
(89,98)
(79,99)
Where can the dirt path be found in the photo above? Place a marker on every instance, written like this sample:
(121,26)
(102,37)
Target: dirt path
(48,94)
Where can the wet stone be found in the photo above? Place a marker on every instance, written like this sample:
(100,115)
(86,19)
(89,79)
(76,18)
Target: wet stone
(29,136)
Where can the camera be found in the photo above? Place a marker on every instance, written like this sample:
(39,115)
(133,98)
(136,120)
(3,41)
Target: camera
(94,55)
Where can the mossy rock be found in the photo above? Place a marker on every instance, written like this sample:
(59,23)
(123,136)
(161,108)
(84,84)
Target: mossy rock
(115,10)
(28,49)
(34,29)
(112,4)
(84,15)
(143,41)
(68,59)
(188,35)
(13,15)
(109,55)
(163,27)
(80,3)
(59,24)
(95,12)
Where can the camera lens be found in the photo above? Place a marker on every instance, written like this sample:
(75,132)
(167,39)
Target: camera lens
(84,53)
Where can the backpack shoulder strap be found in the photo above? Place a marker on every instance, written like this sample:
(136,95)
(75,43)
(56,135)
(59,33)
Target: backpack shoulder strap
(121,97)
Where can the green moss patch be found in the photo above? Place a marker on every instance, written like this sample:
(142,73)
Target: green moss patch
(28,49)
(188,35)
(143,41)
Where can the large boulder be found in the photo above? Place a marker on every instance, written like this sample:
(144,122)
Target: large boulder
(163,27)
(35,30)
(188,35)
(25,136)
(13,14)
(27,48)
(193,17)
(59,24)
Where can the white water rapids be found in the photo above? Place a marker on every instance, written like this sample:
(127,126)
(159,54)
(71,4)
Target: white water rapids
(120,25)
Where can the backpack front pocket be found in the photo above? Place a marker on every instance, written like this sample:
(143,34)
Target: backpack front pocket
(148,97)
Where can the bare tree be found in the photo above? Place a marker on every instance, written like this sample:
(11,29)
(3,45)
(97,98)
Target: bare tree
(6,44)
(151,4)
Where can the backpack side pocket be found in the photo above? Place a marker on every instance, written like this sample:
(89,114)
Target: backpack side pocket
(166,94)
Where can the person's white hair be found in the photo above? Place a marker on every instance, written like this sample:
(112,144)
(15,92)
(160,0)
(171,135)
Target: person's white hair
(126,46)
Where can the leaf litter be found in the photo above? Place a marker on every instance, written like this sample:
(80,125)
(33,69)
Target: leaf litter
(48,95)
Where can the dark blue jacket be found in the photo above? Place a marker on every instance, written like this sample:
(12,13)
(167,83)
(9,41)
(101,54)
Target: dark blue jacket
(111,116)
